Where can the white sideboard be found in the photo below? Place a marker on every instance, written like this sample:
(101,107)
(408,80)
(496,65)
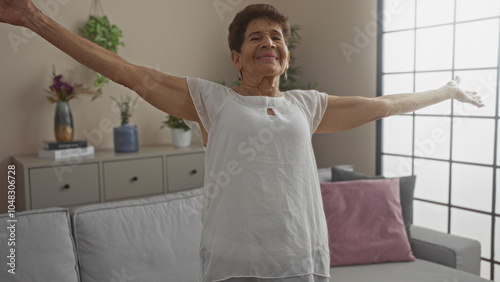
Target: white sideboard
(106,176)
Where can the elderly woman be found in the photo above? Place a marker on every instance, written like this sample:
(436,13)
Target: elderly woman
(262,213)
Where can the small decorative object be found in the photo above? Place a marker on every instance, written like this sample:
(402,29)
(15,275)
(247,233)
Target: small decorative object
(99,30)
(63,122)
(125,136)
(181,133)
(61,92)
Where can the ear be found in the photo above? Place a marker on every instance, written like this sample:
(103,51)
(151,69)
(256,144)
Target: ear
(235,57)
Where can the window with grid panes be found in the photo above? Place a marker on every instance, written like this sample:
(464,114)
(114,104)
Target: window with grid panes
(451,147)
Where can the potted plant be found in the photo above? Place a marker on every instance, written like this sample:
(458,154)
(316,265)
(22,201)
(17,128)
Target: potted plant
(292,82)
(100,31)
(125,136)
(181,133)
(62,90)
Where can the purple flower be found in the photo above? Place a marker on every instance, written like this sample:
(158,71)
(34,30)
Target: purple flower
(58,78)
(57,83)
(61,90)
(69,88)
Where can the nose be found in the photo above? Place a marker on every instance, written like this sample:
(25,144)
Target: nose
(267,42)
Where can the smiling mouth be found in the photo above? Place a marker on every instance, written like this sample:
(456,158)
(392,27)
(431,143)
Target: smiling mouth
(267,58)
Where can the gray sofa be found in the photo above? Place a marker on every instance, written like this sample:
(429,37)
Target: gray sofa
(157,239)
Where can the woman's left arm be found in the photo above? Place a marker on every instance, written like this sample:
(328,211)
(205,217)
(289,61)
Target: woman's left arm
(343,113)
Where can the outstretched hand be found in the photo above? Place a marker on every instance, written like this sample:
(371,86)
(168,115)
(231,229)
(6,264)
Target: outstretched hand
(16,12)
(465,96)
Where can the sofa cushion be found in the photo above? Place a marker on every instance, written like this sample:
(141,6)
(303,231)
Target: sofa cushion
(446,249)
(149,239)
(44,247)
(406,191)
(325,174)
(416,271)
(364,222)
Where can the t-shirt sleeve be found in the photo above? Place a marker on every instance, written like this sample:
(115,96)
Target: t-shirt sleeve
(321,104)
(314,105)
(208,99)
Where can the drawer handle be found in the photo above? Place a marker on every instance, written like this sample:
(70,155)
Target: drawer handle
(193,171)
(67,186)
(135,178)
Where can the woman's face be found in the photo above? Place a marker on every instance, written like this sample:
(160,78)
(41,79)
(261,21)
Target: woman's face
(264,52)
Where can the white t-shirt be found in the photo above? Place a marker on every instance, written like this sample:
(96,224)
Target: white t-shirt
(262,210)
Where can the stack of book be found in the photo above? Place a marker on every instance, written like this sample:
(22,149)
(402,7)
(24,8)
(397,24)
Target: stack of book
(63,150)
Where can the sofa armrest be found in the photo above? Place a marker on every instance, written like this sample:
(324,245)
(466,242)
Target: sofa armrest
(446,249)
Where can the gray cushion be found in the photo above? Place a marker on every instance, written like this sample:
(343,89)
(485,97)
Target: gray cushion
(325,174)
(416,271)
(152,239)
(406,191)
(446,249)
(44,247)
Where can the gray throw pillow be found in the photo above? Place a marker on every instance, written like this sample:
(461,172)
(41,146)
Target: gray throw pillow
(325,174)
(44,249)
(149,239)
(406,190)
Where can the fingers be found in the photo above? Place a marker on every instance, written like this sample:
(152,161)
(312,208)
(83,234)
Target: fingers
(471,97)
(472,93)
(478,104)
(475,99)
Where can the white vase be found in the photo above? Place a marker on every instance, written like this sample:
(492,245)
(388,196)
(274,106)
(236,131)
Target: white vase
(181,138)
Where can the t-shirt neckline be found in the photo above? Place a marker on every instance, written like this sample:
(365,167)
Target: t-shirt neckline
(259,100)
(282,95)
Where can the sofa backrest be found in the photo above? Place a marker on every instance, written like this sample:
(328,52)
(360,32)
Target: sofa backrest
(38,246)
(152,239)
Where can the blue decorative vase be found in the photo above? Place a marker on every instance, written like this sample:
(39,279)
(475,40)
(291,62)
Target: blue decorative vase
(63,122)
(125,138)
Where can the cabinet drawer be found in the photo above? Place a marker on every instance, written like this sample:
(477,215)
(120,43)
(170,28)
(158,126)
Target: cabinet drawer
(185,171)
(64,185)
(132,178)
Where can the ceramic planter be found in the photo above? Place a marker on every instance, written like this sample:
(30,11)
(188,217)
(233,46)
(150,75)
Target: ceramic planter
(125,138)
(181,138)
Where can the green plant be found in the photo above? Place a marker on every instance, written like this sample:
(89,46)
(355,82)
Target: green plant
(292,81)
(99,30)
(126,105)
(174,122)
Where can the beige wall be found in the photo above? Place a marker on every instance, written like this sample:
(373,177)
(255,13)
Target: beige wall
(180,38)
(327,24)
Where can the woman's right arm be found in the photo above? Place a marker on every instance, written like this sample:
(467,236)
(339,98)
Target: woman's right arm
(167,93)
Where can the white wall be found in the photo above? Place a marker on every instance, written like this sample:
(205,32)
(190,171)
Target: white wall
(180,38)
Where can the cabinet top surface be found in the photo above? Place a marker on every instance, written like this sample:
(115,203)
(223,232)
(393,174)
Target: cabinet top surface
(110,154)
